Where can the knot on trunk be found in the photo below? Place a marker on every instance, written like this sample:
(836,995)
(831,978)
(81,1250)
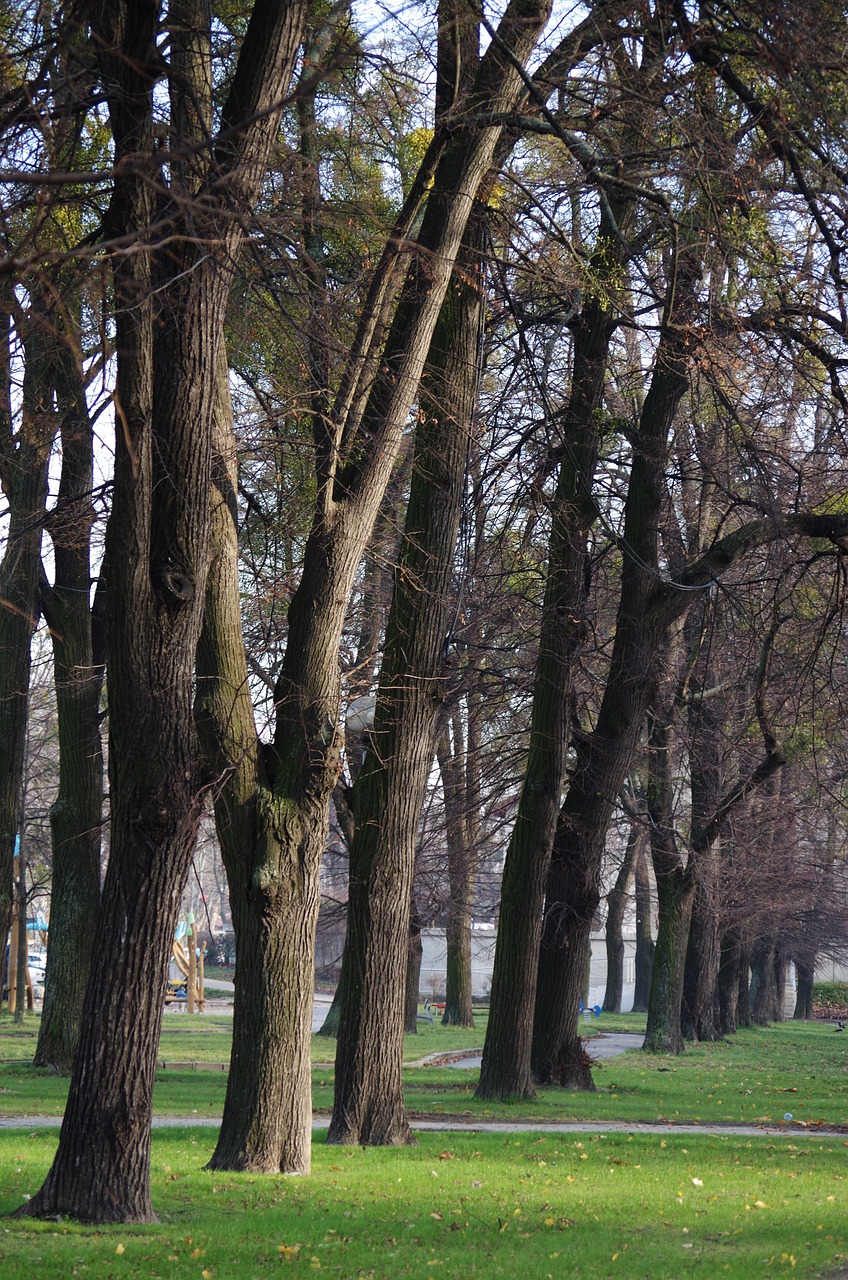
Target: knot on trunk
(174,585)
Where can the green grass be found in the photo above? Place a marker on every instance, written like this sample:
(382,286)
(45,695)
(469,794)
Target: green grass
(754,1078)
(456,1206)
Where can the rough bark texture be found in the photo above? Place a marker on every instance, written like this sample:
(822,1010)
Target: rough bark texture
(645,613)
(76,816)
(388,794)
(23,472)
(356,446)
(675,891)
(168,341)
(506,1070)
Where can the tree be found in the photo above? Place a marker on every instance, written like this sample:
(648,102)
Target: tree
(273,806)
(170,301)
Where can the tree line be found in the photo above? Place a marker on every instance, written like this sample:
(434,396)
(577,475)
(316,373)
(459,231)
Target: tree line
(488,387)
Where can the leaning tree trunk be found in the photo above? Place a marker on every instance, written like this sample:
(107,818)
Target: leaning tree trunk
(389,792)
(76,816)
(645,614)
(156,549)
(356,445)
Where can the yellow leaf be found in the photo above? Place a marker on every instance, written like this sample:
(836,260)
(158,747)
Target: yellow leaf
(614,1256)
(289,1250)
(120,1249)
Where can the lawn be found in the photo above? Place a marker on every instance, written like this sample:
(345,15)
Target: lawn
(459,1205)
(757,1077)
(467,1204)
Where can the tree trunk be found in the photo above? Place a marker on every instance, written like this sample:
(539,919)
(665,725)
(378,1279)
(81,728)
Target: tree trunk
(506,1070)
(616,907)
(458,755)
(644,941)
(24,457)
(76,816)
(389,792)
(764,988)
(356,446)
(743,1000)
(729,971)
(330,1025)
(559,1059)
(157,540)
(675,891)
(414,956)
(804,971)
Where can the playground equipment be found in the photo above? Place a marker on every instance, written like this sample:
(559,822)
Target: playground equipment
(186,971)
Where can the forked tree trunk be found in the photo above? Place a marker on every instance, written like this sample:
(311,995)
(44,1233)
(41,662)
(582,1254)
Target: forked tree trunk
(356,446)
(156,550)
(507,1071)
(387,799)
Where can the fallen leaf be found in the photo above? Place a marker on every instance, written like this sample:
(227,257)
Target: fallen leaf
(120,1249)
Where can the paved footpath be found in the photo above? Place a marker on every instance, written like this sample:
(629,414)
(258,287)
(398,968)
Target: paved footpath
(603,1046)
(448,1125)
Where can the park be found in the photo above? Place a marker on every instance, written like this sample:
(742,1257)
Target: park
(424,516)
(671,1166)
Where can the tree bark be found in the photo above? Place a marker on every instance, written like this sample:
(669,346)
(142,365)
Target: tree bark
(616,907)
(506,1070)
(805,972)
(24,458)
(387,796)
(356,446)
(729,970)
(764,986)
(76,816)
(168,341)
(644,941)
(458,756)
(414,956)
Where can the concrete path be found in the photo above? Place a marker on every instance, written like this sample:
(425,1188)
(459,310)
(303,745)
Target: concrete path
(609,1044)
(196,1121)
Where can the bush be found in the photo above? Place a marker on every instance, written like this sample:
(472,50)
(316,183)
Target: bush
(830,1000)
